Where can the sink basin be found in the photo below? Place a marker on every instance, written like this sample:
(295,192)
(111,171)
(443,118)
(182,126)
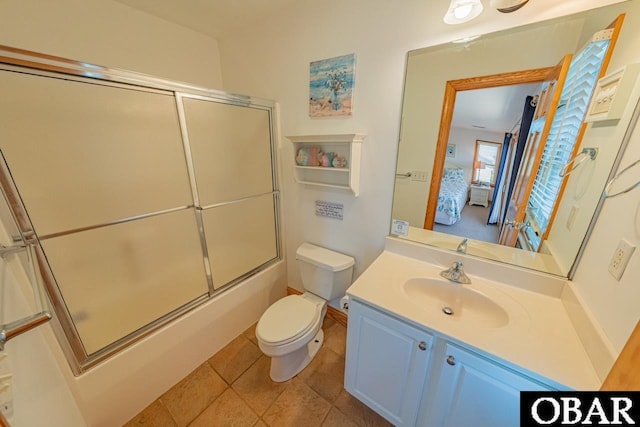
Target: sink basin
(457,302)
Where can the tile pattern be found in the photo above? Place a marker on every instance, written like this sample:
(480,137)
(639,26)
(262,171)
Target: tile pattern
(233,388)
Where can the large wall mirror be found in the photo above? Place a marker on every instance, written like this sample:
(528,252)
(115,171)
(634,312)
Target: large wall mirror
(516,90)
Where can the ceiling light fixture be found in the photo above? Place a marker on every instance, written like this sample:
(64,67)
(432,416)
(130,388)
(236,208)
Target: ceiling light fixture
(462,11)
(508,6)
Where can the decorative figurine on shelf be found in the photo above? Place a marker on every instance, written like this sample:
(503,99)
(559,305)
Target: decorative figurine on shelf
(309,156)
(302,157)
(339,162)
(315,156)
(327,159)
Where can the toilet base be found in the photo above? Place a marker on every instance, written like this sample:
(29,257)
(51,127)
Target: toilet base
(285,367)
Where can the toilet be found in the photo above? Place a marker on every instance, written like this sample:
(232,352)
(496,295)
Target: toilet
(290,331)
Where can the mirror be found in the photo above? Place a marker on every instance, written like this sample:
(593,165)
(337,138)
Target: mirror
(535,47)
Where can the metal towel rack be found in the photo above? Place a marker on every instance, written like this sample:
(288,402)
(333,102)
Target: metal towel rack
(13,329)
(586,153)
(607,190)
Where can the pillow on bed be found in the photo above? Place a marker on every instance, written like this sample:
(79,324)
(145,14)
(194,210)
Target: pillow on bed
(451,174)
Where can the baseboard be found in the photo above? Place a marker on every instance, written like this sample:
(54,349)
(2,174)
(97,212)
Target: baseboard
(332,312)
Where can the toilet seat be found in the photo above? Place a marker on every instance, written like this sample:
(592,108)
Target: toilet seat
(287,319)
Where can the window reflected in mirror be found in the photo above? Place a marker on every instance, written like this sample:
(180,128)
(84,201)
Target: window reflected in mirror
(487,156)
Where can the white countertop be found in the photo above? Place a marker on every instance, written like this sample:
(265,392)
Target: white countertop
(539,337)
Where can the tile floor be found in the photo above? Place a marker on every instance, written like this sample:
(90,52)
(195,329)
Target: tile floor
(233,388)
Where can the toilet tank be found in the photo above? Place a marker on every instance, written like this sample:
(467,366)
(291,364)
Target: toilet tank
(324,272)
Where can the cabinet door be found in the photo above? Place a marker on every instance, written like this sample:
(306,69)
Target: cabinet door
(472,391)
(386,363)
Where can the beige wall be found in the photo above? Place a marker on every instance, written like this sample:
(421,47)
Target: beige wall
(104,32)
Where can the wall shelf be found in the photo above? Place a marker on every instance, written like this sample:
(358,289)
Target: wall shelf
(320,168)
(347,146)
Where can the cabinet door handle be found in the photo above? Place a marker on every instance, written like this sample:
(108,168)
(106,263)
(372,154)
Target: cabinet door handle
(451,360)
(422,346)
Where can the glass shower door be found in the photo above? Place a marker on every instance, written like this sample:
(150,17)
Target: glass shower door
(144,197)
(117,279)
(233,170)
(101,171)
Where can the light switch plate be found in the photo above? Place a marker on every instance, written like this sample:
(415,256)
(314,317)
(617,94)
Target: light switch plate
(419,176)
(621,258)
(611,94)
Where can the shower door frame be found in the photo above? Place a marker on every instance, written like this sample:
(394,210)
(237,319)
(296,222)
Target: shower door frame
(33,63)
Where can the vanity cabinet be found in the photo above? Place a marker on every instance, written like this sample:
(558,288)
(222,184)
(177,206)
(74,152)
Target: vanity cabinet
(411,376)
(474,391)
(386,363)
(343,174)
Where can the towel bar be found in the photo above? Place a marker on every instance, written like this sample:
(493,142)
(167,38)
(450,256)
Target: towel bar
(586,153)
(13,329)
(607,190)
(18,327)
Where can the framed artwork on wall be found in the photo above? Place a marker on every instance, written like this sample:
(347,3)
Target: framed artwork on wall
(451,150)
(331,84)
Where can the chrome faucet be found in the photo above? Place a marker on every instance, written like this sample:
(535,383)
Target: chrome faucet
(456,274)
(462,247)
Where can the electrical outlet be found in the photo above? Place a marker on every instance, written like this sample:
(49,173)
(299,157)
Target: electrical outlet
(621,258)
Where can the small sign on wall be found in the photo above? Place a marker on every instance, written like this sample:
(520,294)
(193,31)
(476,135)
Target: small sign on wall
(329,209)
(399,227)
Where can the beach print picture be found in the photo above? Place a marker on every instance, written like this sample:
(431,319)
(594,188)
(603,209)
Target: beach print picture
(331,86)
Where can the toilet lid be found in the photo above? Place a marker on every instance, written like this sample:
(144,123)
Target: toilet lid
(286,319)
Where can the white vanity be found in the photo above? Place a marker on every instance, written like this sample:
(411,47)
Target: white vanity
(422,350)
